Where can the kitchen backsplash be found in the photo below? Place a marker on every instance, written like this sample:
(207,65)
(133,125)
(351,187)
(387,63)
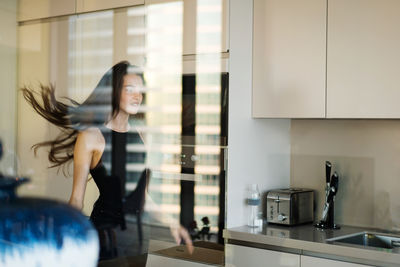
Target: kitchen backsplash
(365,153)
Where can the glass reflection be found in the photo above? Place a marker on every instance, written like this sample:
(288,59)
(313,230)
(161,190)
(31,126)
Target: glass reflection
(173,151)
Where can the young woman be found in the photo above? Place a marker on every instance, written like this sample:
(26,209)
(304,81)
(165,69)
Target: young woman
(82,140)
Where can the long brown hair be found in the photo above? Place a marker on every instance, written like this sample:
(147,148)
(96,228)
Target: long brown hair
(72,117)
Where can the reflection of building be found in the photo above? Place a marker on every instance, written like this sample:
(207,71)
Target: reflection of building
(154,35)
(164,156)
(90,51)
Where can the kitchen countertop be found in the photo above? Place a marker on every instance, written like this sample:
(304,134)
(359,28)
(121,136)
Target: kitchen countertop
(311,241)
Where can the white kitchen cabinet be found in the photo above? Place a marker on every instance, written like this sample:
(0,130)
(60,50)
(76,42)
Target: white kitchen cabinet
(238,256)
(289,58)
(204,24)
(157,260)
(363,65)
(38,9)
(205,27)
(189,27)
(95,5)
(307,261)
(178,256)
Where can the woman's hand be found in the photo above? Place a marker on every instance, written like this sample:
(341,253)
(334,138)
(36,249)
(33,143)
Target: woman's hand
(179,233)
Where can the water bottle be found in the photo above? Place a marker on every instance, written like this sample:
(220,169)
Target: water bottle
(253,202)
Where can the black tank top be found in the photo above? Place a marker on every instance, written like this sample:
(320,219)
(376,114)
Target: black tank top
(108,210)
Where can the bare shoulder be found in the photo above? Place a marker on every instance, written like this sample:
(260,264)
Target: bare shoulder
(91,137)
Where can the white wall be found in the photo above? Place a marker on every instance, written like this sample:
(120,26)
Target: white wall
(34,66)
(8,78)
(259,149)
(43,58)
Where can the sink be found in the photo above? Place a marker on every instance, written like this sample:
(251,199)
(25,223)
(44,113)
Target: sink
(369,239)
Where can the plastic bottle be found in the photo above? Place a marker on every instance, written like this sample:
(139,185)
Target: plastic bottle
(253,202)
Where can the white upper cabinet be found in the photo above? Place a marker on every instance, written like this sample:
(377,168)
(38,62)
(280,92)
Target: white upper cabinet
(289,58)
(38,9)
(205,27)
(204,24)
(363,70)
(95,5)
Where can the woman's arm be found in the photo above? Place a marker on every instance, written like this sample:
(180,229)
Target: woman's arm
(83,153)
(178,232)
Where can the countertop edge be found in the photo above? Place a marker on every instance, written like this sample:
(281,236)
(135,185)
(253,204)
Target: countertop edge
(356,255)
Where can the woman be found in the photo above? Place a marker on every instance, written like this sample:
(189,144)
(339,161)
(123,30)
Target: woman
(82,140)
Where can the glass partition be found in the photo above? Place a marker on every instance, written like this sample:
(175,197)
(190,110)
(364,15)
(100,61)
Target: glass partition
(170,159)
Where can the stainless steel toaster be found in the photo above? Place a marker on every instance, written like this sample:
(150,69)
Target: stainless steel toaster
(290,206)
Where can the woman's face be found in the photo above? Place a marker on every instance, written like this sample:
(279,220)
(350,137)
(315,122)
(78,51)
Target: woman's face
(131,94)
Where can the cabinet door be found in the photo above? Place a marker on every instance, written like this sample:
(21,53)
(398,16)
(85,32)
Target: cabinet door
(307,261)
(94,5)
(205,25)
(363,78)
(289,58)
(238,256)
(37,9)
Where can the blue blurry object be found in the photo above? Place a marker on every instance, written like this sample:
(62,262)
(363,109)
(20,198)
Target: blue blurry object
(41,232)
